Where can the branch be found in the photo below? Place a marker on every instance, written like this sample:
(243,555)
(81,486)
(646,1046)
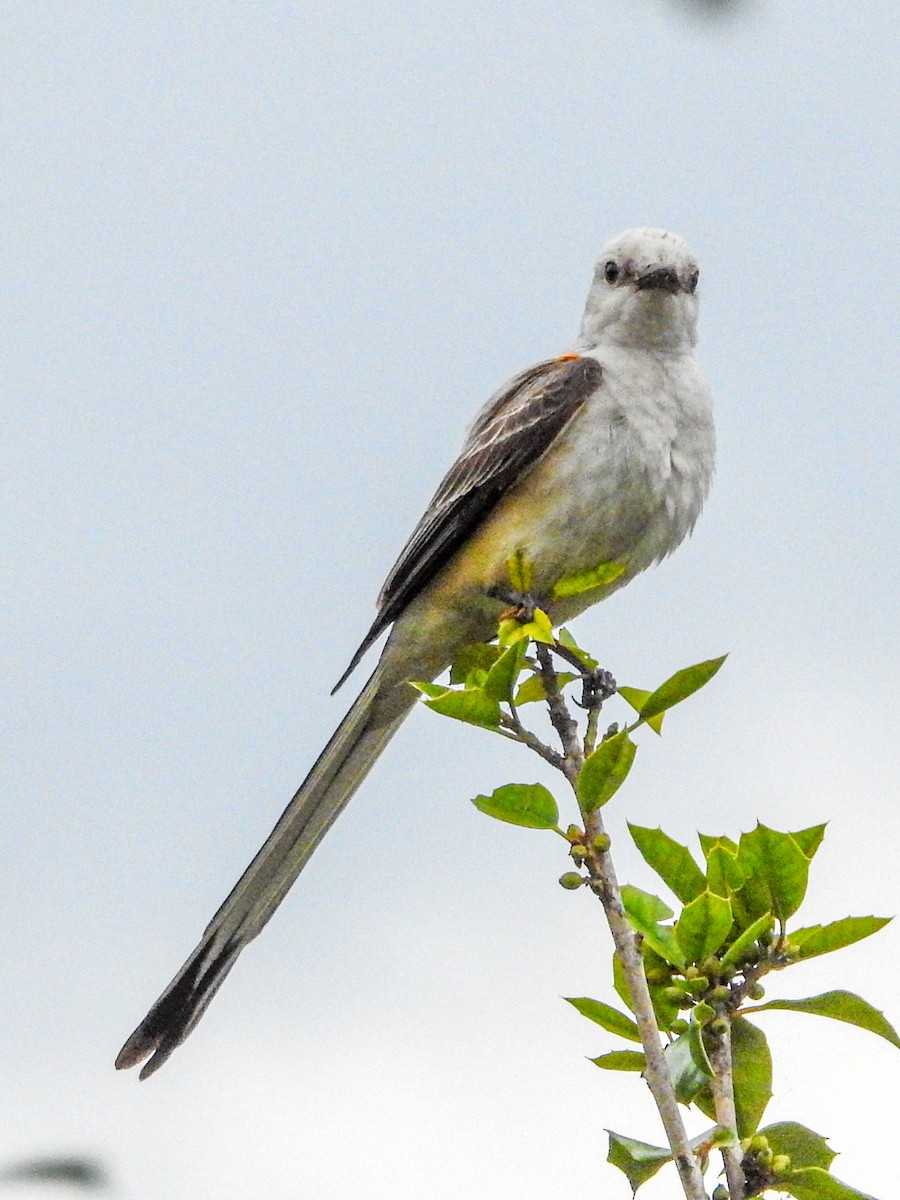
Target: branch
(723,1097)
(605,885)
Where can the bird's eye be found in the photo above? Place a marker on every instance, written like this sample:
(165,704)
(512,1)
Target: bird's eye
(692,280)
(611,271)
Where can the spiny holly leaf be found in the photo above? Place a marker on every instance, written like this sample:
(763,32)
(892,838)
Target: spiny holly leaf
(840,1006)
(809,840)
(821,939)
(565,639)
(690,1070)
(501,678)
(752,1076)
(746,939)
(585,581)
(527,804)
(673,862)
(480,656)
(703,926)
(621,1060)
(637,698)
(708,843)
(805,1147)
(606,1016)
(724,872)
(470,705)
(638,1160)
(679,686)
(812,1183)
(778,871)
(645,912)
(605,771)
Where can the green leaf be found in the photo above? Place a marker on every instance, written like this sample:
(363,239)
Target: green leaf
(778,871)
(840,1006)
(429,689)
(812,1183)
(605,771)
(806,1148)
(620,1060)
(565,639)
(703,926)
(637,698)
(501,678)
(538,629)
(724,873)
(745,940)
(639,1161)
(673,862)
(521,572)
(709,843)
(679,686)
(689,1072)
(585,581)
(606,1017)
(527,804)
(533,687)
(752,1071)
(480,656)
(470,705)
(821,939)
(752,1077)
(645,912)
(809,840)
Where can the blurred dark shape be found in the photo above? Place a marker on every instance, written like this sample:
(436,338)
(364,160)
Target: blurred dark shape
(713,9)
(79,1172)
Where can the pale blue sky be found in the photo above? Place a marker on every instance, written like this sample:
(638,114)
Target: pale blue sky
(261,264)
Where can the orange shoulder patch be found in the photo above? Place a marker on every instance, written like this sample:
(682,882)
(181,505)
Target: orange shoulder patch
(566,357)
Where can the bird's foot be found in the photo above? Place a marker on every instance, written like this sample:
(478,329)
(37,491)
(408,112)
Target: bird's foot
(597,687)
(521,604)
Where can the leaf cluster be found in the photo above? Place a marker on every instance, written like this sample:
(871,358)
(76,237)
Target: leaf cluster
(702,964)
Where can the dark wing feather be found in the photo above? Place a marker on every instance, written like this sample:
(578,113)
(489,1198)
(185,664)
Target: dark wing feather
(510,434)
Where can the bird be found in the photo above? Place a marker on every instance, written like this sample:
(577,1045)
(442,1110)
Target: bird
(602,454)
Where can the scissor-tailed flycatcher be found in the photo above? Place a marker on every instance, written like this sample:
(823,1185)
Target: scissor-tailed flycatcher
(604,454)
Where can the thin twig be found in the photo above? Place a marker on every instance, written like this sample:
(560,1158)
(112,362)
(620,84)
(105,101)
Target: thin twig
(723,1097)
(560,717)
(605,885)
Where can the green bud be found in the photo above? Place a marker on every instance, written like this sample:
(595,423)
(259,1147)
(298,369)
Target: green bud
(758,1143)
(578,853)
(574,834)
(719,994)
(698,985)
(677,996)
(691,972)
(571,880)
(703,1013)
(719,1026)
(756,992)
(781,1164)
(712,966)
(679,1027)
(601,842)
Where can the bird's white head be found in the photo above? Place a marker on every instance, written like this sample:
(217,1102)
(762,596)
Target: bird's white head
(644,293)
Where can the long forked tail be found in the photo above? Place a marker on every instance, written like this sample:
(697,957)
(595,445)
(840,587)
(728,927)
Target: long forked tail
(338,772)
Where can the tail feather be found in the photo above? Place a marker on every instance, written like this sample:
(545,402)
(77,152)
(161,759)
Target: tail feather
(337,773)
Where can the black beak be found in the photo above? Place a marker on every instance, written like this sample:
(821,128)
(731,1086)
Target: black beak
(661,279)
